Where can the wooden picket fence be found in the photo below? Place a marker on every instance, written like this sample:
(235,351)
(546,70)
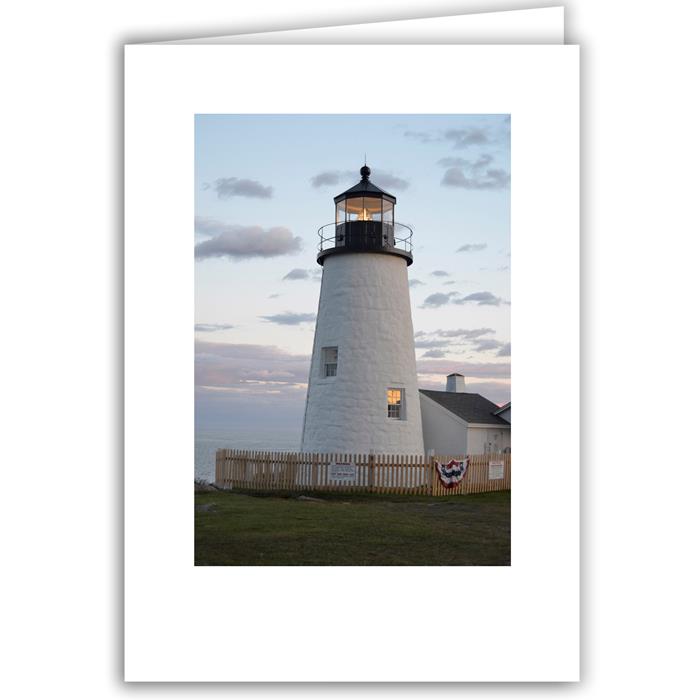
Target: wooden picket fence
(397,474)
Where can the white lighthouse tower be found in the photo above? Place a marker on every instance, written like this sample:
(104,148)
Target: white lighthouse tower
(363,390)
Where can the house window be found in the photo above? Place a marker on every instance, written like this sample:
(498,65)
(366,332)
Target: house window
(329,362)
(395,404)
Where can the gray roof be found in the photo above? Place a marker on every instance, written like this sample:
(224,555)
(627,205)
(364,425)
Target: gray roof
(473,408)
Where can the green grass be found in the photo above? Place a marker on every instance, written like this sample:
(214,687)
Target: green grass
(235,529)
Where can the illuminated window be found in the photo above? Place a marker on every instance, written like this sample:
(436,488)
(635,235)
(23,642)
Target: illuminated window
(395,404)
(364,209)
(329,362)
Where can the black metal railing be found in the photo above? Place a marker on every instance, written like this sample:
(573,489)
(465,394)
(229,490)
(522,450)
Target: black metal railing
(367,236)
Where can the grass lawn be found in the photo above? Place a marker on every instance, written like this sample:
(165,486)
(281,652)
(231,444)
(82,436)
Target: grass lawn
(235,529)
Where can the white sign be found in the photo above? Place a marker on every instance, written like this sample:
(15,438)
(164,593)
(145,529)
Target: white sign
(342,471)
(496,469)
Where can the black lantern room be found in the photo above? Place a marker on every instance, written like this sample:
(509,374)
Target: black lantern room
(364,222)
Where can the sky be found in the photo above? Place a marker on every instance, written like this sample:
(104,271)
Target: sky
(263,186)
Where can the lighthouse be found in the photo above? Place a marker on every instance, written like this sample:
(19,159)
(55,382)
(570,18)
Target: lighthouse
(362,394)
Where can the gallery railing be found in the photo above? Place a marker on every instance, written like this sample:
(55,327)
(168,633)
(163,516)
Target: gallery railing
(367,236)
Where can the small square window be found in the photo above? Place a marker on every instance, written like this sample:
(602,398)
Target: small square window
(395,403)
(329,362)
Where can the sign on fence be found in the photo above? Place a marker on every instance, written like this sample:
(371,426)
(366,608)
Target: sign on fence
(496,469)
(342,471)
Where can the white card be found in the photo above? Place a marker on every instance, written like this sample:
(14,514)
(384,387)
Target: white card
(544,25)
(357,623)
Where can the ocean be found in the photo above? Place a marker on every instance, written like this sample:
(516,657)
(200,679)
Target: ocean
(208,440)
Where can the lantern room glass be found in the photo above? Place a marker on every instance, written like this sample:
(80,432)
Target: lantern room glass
(387,212)
(364,209)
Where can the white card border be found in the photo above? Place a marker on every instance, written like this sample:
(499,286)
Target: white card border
(189,623)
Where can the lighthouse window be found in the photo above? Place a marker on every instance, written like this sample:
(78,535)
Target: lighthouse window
(329,361)
(395,403)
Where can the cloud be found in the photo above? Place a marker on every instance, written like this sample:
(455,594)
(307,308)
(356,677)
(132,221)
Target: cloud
(482,161)
(414,283)
(434,353)
(479,164)
(481,299)
(430,343)
(504,351)
(449,282)
(289,318)
(212,327)
(492,179)
(388,181)
(382,178)
(485,344)
(440,273)
(462,138)
(300,274)
(444,340)
(422,136)
(328,177)
(455,162)
(474,174)
(297,274)
(472,247)
(273,296)
(464,333)
(243,242)
(438,299)
(228,187)
(231,364)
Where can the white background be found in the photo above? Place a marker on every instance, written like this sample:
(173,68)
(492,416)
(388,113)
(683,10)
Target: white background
(61,357)
(307,624)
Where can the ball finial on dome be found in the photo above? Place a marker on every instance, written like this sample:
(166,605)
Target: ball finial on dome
(365,172)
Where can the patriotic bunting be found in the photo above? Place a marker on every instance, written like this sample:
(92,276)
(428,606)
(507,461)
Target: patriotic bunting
(453,472)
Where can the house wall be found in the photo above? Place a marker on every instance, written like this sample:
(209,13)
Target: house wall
(442,430)
(484,440)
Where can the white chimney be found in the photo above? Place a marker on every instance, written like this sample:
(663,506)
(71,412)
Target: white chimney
(455,383)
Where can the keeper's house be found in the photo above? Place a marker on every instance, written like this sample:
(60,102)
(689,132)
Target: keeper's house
(456,422)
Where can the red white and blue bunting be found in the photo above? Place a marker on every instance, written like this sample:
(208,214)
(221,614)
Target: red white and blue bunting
(453,472)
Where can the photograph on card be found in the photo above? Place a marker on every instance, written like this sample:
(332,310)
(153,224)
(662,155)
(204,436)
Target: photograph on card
(352,339)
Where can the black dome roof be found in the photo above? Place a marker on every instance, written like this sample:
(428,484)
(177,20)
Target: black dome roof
(365,188)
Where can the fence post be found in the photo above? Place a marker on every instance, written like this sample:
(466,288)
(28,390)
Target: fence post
(370,467)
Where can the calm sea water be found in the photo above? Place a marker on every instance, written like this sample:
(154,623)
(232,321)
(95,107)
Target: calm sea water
(208,440)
